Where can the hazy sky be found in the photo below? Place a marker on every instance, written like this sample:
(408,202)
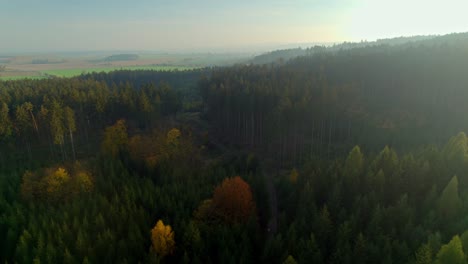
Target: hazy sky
(66,25)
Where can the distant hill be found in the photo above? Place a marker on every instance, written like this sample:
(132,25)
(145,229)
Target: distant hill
(287,54)
(52,60)
(122,57)
(5,59)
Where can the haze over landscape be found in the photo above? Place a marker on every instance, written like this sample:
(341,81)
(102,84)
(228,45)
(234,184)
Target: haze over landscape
(208,25)
(320,131)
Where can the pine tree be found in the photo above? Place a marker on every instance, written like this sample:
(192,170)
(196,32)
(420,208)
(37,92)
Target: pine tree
(424,255)
(387,160)
(456,151)
(449,203)
(6,127)
(464,240)
(360,249)
(290,260)
(451,253)
(354,163)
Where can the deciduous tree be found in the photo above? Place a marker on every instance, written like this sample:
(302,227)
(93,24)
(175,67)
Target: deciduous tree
(162,239)
(115,138)
(233,201)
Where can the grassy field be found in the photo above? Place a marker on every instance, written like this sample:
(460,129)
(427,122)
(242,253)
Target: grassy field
(70,65)
(77,72)
(10,78)
(66,73)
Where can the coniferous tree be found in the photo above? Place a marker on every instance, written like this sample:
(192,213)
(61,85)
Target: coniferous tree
(423,255)
(451,253)
(6,128)
(449,202)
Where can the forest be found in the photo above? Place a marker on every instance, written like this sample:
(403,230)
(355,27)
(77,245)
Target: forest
(350,154)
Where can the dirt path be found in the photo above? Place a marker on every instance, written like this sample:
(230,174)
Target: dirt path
(273,203)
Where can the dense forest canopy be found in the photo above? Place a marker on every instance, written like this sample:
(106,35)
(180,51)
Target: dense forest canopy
(340,155)
(287,54)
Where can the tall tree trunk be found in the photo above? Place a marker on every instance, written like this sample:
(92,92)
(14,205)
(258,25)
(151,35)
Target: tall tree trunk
(87,134)
(72,144)
(320,147)
(51,147)
(62,151)
(330,128)
(295,144)
(312,138)
(349,130)
(34,123)
(252,130)
(28,145)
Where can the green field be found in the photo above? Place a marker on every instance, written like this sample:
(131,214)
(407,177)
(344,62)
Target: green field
(66,73)
(77,72)
(11,78)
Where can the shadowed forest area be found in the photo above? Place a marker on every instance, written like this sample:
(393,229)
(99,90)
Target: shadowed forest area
(343,154)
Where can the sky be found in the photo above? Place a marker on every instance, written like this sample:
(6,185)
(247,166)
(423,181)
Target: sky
(204,25)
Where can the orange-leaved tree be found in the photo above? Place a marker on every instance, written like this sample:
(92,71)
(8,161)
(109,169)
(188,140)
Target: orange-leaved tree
(162,238)
(233,201)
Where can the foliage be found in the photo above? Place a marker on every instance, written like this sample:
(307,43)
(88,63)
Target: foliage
(290,260)
(451,253)
(328,115)
(233,201)
(162,239)
(5,122)
(424,255)
(56,184)
(354,162)
(115,138)
(449,203)
(159,148)
(293,176)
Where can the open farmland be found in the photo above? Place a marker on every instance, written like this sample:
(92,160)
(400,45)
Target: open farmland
(46,66)
(77,72)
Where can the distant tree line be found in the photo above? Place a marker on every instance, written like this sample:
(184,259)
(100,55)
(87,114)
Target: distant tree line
(403,95)
(122,57)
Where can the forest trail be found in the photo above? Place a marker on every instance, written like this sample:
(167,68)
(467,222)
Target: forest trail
(199,128)
(272,226)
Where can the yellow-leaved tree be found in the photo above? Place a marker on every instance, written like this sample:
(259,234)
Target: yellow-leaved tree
(173,137)
(115,138)
(162,238)
(83,182)
(56,183)
(161,147)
